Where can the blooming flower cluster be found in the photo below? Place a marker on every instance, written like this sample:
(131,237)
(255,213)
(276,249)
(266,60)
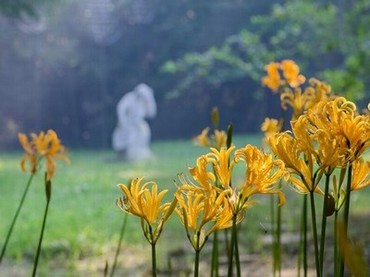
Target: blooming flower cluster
(328,137)
(212,179)
(285,73)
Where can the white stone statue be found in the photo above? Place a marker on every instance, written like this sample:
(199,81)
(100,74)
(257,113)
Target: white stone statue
(131,137)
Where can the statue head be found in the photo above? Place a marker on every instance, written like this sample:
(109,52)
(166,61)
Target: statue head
(146,95)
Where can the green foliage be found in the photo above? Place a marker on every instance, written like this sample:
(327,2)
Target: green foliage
(239,56)
(328,37)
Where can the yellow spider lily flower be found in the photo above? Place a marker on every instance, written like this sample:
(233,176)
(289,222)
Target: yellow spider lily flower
(339,120)
(360,174)
(291,73)
(48,146)
(201,174)
(262,173)
(45,145)
(272,80)
(298,163)
(30,155)
(220,138)
(271,126)
(202,213)
(190,208)
(202,138)
(297,100)
(319,91)
(328,151)
(217,140)
(222,164)
(144,201)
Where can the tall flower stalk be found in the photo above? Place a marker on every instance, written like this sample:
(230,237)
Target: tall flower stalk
(284,78)
(118,250)
(213,180)
(10,231)
(44,146)
(218,139)
(329,135)
(48,197)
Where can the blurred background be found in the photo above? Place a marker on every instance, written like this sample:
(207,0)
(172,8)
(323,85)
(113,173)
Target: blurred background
(65,64)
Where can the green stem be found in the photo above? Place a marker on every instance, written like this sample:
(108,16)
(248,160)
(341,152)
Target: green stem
(278,241)
(40,239)
(227,244)
(302,258)
(314,229)
(237,257)
(232,245)
(214,268)
(154,260)
(10,231)
(197,249)
(196,263)
(323,223)
(272,223)
(346,210)
(119,245)
(336,253)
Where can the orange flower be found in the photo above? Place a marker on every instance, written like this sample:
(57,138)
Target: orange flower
(217,139)
(41,146)
(202,138)
(261,174)
(291,73)
(201,174)
(271,126)
(202,213)
(298,162)
(222,165)
(361,174)
(272,80)
(144,201)
(30,154)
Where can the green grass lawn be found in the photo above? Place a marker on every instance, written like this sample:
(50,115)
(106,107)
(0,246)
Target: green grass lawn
(84,222)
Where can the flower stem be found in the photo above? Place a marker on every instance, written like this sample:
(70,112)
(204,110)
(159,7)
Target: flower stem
(154,260)
(336,254)
(232,246)
(40,239)
(10,231)
(276,236)
(346,210)
(302,257)
(237,257)
(272,223)
(323,222)
(119,245)
(314,229)
(196,263)
(278,241)
(214,268)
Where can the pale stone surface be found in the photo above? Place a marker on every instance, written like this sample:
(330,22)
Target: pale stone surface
(131,137)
